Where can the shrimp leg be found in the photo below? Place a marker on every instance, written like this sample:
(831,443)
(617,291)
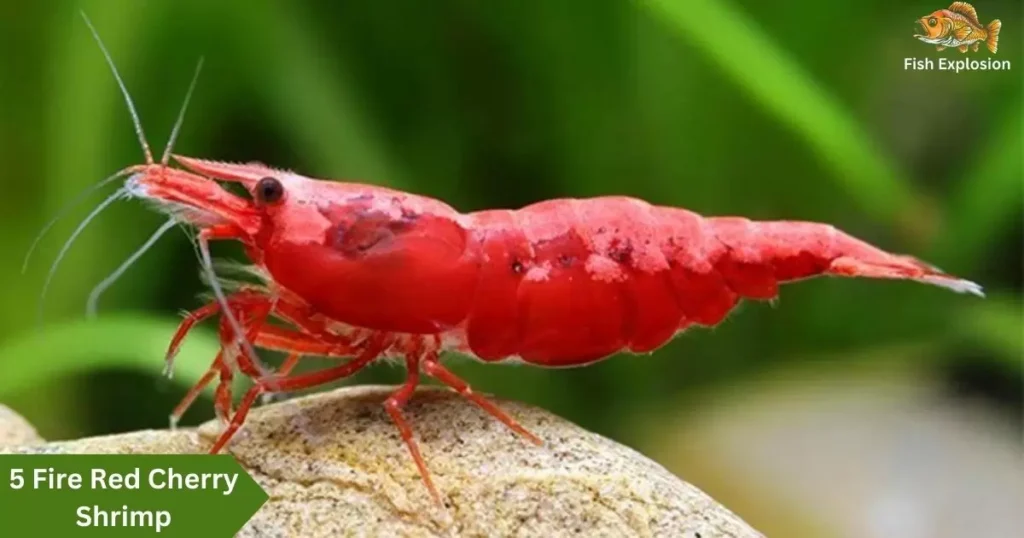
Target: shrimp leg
(222,396)
(394,404)
(279,383)
(196,390)
(432,366)
(288,309)
(300,343)
(240,298)
(253,298)
(297,344)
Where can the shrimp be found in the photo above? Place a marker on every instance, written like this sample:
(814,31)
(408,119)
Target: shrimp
(359,272)
(560,283)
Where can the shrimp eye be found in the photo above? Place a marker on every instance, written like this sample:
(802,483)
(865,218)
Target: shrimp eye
(268,191)
(932,21)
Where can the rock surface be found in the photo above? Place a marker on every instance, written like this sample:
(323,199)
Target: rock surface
(15,430)
(333,464)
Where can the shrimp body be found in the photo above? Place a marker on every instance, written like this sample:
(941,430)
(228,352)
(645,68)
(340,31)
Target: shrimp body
(363,272)
(558,283)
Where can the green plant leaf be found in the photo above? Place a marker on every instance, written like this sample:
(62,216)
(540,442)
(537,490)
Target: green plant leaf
(988,196)
(134,341)
(769,75)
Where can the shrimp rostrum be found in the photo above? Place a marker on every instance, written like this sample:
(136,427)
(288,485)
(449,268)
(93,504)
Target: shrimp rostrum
(359,272)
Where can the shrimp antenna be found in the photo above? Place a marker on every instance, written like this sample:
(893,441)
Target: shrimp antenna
(118,194)
(124,91)
(103,286)
(181,115)
(63,213)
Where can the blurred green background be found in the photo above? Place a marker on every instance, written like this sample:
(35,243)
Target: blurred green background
(771,110)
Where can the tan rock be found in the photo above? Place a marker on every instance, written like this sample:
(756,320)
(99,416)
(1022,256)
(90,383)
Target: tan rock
(15,430)
(334,465)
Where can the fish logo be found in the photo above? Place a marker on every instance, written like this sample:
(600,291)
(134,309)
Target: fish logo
(958,27)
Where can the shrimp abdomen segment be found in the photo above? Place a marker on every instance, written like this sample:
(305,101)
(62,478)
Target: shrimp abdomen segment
(572,304)
(492,326)
(571,281)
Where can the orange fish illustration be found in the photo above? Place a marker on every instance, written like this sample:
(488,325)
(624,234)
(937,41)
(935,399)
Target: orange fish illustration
(958,27)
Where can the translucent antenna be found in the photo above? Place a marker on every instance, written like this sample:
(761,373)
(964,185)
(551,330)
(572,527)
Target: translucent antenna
(103,286)
(181,115)
(63,212)
(118,194)
(124,91)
